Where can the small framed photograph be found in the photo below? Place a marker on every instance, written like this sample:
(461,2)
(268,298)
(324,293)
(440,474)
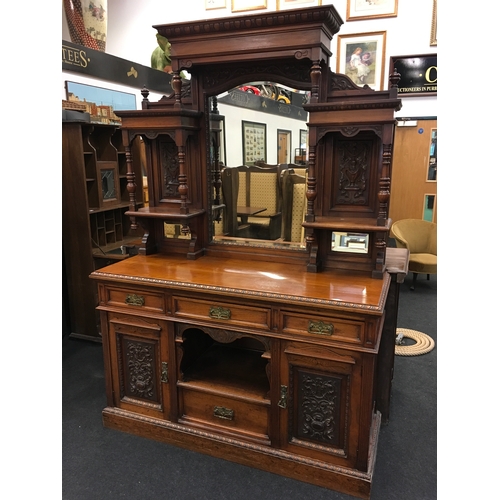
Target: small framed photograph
(246,5)
(291,4)
(254,142)
(362,58)
(215,4)
(371,9)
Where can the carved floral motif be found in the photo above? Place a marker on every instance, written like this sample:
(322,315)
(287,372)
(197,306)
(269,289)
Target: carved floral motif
(319,407)
(139,359)
(353,165)
(170,169)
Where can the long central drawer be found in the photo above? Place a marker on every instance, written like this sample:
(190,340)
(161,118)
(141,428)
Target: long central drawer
(225,313)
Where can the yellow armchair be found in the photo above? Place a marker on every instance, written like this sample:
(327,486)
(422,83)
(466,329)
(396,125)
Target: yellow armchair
(419,237)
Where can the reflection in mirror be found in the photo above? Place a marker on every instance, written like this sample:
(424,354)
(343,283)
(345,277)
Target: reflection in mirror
(259,177)
(429,207)
(108,184)
(350,242)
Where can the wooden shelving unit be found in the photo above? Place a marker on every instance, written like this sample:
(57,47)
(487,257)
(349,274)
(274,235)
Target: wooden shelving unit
(96,231)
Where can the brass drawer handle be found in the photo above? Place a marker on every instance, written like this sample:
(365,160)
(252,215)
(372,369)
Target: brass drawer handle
(217,312)
(225,413)
(134,300)
(320,328)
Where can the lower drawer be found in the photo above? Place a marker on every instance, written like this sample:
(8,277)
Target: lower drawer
(222,413)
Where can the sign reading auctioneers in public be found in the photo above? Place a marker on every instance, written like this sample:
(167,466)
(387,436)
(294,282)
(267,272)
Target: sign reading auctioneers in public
(418,74)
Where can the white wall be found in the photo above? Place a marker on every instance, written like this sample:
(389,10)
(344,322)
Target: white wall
(131,35)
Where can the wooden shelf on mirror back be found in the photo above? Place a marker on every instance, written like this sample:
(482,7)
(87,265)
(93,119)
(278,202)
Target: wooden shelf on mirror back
(96,231)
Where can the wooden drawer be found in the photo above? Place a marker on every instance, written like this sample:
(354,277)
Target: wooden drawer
(224,312)
(134,299)
(247,419)
(323,327)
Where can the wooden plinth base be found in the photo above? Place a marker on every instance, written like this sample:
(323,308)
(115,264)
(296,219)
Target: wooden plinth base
(316,472)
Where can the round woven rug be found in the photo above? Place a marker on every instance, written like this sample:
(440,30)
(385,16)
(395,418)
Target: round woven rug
(423,343)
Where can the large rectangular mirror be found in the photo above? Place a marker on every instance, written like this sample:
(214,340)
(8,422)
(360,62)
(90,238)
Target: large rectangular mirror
(262,202)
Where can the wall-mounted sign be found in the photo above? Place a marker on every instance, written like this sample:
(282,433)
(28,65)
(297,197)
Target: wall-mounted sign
(90,62)
(418,74)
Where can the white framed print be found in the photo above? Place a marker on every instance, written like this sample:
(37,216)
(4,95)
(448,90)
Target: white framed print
(373,9)
(246,5)
(215,4)
(292,4)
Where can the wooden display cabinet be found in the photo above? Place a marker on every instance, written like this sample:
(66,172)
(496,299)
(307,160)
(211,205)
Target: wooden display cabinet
(96,230)
(261,352)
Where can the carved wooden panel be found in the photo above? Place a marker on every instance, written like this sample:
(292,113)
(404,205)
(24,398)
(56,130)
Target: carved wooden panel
(351,173)
(169,169)
(317,415)
(141,360)
(139,369)
(225,75)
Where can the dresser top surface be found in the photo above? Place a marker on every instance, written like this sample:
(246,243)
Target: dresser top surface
(272,281)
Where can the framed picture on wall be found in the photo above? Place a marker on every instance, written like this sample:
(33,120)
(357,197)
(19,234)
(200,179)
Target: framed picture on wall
(245,5)
(215,4)
(254,142)
(291,4)
(100,103)
(363,9)
(362,58)
(434,24)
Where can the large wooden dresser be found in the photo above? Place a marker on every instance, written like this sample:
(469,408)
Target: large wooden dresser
(260,352)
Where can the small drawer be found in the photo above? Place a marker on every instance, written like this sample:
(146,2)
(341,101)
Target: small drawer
(242,417)
(133,299)
(323,327)
(224,313)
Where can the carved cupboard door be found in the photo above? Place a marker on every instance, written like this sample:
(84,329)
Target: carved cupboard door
(139,364)
(321,404)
